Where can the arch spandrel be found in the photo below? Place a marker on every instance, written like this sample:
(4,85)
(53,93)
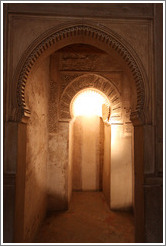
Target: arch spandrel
(86,33)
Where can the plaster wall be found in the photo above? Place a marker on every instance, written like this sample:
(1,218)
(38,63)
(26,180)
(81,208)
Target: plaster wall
(36,151)
(57,172)
(121,168)
(87,151)
(107,162)
(70,164)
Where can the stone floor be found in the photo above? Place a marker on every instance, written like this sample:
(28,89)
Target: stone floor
(88,220)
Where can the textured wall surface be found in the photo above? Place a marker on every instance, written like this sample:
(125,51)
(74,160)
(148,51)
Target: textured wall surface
(57,172)
(153,197)
(36,152)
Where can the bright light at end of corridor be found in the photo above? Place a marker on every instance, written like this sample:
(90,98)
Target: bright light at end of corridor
(88,103)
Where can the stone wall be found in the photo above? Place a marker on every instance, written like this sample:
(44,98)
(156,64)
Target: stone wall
(36,151)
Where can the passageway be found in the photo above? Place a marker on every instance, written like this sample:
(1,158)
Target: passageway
(88,220)
(54,158)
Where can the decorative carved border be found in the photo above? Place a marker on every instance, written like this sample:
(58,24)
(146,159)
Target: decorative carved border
(108,39)
(90,81)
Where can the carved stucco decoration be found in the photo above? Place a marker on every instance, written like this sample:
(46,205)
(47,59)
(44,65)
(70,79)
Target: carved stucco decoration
(66,78)
(58,37)
(90,81)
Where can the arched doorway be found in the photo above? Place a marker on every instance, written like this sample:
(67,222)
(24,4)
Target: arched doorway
(86,34)
(88,108)
(102,155)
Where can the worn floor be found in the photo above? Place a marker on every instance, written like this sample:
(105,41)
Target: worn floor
(88,220)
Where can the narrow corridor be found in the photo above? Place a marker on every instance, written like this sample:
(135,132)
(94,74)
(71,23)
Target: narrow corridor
(88,220)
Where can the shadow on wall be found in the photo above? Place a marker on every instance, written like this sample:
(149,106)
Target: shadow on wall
(35,202)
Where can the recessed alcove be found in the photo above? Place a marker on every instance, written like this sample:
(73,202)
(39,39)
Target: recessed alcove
(83,149)
(100,154)
(87,140)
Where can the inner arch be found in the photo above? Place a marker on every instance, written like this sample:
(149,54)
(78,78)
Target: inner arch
(89,102)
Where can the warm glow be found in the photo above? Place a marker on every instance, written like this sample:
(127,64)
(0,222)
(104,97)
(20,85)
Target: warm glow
(115,131)
(88,103)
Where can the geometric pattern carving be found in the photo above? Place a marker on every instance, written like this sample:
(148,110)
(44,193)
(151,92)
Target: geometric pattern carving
(66,78)
(87,32)
(90,81)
